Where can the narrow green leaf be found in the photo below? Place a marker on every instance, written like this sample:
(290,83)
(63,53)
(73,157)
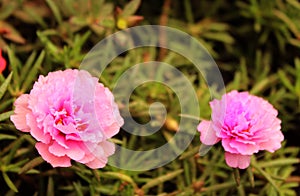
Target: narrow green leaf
(161,179)
(84,177)
(219,36)
(251,176)
(130,8)
(266,175)
(96,7)
(286,82)
(78,189)
(218,187)
(32,74)
(5,115)
(7,9)
(279,162)
(120,176)
(297,83)
(15,167)
(294,3)
(263,84)
(237,176)
(7,137)
(189,153)
(50,187)
(6,103)
(35,16)
(5,84)
(27,66)
(14,64)
(31,164)
(13,150)
(292,26)
(204,149)
(9,183)
(55,11)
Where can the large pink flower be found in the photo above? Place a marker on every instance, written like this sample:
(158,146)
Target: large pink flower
(245,124)
(71,116)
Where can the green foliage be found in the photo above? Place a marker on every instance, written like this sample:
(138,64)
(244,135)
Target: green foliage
(255,44)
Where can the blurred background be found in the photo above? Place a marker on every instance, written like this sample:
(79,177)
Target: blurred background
(255,43)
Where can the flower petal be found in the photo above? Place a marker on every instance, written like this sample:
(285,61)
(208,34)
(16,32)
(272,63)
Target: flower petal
(97,163)
(55,161)
(208,135)
(21,110)
(36,132)
(237,160)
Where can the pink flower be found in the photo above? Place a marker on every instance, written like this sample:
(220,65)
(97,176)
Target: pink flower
(2,62)
(245,124)
(71,116)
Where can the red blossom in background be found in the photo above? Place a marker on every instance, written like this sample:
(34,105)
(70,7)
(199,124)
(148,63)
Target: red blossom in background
(2,62)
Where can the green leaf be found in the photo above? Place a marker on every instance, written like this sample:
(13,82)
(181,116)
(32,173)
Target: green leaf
(27,66)
(286,82)
(7,137)
(251,176)
(16,166)
(219,36)
(78,189)
(31,164)
(33,73)
(55,11)
(189,153)
(7,9)
(237,177)
(5,115)
(120,176)
(260,86)
(35,16)
(279,162)
(294,3)
(15,147)
(9,183)
(130,8)
(297,83)
(266,175)
(50,187)
(5,84)
(161,179)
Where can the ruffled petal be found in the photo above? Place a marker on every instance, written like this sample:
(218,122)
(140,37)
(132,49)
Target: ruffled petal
(21,110)
(36,132)
(207,134)
(55,161)
(237,160)
(97,163)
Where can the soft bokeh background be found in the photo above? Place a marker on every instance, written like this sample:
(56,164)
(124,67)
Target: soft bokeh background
(255,43)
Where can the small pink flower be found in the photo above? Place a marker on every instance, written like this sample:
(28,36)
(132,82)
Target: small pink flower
(71,116)
(245,124)
(2,62)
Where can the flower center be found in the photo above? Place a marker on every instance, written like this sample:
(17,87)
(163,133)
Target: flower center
(62,117)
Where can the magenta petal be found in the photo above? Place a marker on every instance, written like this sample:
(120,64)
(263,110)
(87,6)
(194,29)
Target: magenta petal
(237,160)
(208,135)
(55,161)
